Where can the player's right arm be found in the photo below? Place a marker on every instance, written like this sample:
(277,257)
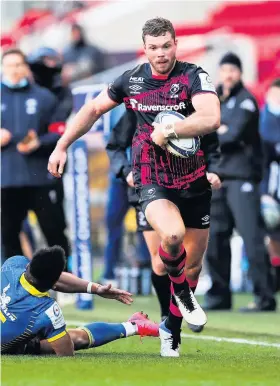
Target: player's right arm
(69,283)
(80,125)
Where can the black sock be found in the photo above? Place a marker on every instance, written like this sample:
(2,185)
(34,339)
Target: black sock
(193,289)
(173,322)
(162,287)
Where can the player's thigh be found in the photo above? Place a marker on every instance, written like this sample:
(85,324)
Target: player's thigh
(165,218)
(195,243)
(162,213)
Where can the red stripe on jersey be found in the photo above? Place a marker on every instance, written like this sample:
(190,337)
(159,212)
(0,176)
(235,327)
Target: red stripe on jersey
(57,127)
(160,77)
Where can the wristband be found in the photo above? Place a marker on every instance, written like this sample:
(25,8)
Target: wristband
(169,131)
(89,286)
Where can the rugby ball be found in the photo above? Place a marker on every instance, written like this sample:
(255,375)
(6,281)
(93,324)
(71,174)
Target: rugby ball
(270,210)
(182,147)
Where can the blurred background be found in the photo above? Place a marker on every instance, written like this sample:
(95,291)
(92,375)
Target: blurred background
(95,41)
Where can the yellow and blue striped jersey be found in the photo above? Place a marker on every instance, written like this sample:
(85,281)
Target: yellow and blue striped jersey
(25,311)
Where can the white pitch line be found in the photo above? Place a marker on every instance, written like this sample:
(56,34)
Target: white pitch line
(231,340)
(204,337)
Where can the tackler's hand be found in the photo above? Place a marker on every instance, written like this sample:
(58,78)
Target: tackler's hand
(106,291)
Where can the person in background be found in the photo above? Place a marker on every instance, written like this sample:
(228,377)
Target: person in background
(237,203)
(29,133)
(270,133)
(46,67)
(120,197)
(81,59)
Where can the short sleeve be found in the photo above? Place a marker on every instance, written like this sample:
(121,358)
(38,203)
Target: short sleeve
(116,90)
(201,83)
(53,325)
(15,262)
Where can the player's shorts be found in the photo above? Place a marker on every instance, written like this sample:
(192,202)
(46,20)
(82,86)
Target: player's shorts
(142,223)
(32,347)
(195,210)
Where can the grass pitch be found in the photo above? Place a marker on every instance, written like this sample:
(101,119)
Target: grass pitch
(127,362)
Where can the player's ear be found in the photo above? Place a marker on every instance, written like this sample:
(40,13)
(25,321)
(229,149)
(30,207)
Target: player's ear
(176,42)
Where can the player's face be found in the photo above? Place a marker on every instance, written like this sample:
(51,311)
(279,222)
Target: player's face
(230,75)
(161,52)
(14,68)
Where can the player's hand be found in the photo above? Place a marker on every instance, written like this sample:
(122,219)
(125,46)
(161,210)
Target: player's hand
(57,161)
(29,144)
(106,291)
(6,137)
(214,180)
(129,180)
(158,135)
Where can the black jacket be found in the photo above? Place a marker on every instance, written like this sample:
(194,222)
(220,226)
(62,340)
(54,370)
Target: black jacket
(121,139)
(23,109)
(241,150)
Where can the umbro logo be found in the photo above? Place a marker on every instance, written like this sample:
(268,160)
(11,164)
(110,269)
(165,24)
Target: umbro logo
(148,195)
(135,89)
(151,191)
(205,220)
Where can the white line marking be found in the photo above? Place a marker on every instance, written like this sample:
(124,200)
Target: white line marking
(231,340)
(203,337)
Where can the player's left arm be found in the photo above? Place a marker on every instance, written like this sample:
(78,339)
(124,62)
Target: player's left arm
(69,283)
(204,120)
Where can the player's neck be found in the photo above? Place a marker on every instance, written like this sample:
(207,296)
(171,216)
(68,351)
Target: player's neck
(157,74)
(29,278)
(32,281)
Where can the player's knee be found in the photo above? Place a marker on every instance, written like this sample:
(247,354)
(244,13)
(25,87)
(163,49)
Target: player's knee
(172,242)
(194,272)
(80,340)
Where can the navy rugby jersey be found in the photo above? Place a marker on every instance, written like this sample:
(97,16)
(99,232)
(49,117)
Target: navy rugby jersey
(25,311)
(147,95)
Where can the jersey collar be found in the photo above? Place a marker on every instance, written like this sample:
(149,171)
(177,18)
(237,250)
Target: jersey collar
(30,288)
(161,77)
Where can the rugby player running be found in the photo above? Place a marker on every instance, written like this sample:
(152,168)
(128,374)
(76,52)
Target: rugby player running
(174,192)
(32,322)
